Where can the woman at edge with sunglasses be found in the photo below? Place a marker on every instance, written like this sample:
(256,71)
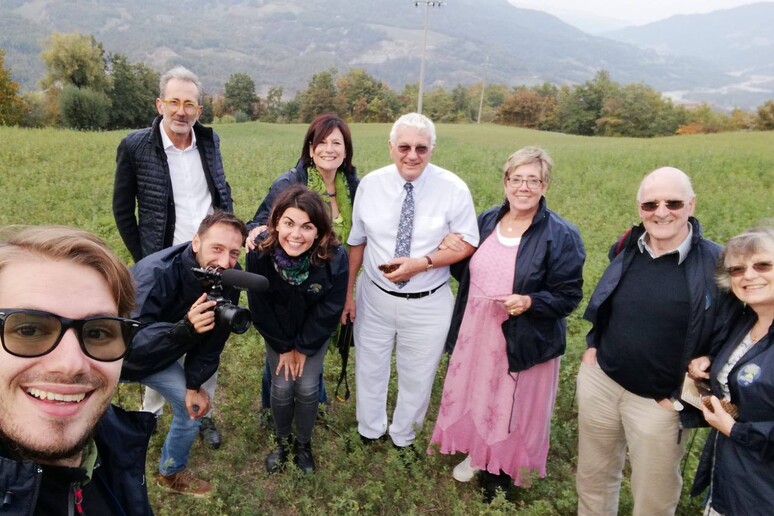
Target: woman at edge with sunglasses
(325,167)
(508,332)
(738,459)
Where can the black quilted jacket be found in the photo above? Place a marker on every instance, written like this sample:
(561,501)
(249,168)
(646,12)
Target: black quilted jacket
(142,185)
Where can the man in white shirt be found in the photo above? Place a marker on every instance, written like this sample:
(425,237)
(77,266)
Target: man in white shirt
(400,215)
(170,174)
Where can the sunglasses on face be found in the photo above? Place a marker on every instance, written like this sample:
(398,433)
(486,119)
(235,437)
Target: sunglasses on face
(419,149)
(33,333)
(738,270)
(671,205)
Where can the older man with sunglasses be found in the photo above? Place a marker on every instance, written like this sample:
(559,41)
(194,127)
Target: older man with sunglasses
(168,178)
(401,214)
(64,298)
(655,308)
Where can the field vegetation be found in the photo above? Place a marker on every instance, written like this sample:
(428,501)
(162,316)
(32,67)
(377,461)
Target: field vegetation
(51,176)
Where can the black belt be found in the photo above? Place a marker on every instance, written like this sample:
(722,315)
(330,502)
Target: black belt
(409,295)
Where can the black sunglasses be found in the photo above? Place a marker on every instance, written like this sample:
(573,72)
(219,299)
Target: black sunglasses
(420,149)
(30,333)
(737,270)
(671,205)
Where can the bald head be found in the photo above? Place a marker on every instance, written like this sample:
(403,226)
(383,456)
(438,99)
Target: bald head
(676,178)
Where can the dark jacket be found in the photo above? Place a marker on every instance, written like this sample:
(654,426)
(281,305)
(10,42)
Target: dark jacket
(142,182)
(300,317)
(295,175)
(122,443)
(166,289)
(707,304)
(740,468)
(549,269)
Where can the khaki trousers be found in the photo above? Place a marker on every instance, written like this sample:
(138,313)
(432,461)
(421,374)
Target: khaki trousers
(610,420)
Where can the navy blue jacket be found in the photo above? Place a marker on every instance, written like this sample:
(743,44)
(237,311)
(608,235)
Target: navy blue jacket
(708,306)
(166,289)
(549,269)
(293,176)
(740,468)
(122,443)
(142,182)
(300,317)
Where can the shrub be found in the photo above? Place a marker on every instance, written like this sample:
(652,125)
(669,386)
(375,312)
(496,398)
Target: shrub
(84,108)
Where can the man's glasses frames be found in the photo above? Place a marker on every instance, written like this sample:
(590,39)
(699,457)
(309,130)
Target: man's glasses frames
(189,107)
(671,205)
(33,333)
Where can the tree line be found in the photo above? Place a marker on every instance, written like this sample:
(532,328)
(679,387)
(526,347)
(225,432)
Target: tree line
(86,88)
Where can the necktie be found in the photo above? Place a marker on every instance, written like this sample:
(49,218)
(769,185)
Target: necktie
(405,227)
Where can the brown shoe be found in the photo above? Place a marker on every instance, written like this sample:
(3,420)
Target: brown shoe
(183,483)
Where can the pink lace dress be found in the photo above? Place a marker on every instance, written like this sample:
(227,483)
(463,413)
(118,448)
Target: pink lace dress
(501,419)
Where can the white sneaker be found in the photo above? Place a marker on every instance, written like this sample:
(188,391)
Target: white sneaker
(464,472)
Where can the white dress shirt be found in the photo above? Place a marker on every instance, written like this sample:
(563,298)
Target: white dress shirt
(442,205)
(193,200)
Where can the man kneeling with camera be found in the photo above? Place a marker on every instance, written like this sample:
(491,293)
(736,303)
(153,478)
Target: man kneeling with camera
(187,316)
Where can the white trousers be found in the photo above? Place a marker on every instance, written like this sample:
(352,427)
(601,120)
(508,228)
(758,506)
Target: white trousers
(416,329)
(153,401)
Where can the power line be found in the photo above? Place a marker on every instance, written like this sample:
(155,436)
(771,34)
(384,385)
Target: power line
(428,5)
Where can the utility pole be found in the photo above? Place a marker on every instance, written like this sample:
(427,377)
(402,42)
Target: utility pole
(428,4)
(483,87)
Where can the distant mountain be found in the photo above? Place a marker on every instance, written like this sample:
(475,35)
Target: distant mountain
(738,41)
(284,42)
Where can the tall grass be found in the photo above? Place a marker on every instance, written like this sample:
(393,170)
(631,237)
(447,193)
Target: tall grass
(63,177)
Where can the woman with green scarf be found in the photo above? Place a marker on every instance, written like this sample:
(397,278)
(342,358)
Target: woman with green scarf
(325,167)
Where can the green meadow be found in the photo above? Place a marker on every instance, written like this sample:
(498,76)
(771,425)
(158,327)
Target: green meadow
(53,176)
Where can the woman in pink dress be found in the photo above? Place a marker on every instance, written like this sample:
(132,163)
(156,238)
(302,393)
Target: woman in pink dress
(508,332)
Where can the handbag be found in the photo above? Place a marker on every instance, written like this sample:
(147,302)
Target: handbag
(343,343)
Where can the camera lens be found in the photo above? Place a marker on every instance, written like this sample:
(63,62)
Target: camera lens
(237,318)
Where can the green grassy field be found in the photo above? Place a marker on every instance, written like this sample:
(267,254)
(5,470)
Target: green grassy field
(52,176)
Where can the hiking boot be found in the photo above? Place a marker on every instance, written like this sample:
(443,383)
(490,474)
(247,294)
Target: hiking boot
(464,472)
(304,459)
(276,460)
(209,434)
(184,483)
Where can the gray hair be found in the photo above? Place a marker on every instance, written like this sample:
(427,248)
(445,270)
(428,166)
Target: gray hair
(527,156)
(180,73)
(417,121)
(753,241)
(677,174)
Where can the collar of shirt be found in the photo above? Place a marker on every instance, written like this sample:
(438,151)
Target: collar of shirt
(683,249)
(168,145)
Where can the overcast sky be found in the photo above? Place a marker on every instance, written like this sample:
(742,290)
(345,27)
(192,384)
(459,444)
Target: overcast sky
(631,12)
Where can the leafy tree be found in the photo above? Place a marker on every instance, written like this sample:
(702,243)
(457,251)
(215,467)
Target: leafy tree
(765,121)
(273,104)
(637,110)
(208,109)
(580,107)
(438,105)
(132,97)
(703,119)
(320,96)
(84,108)
(11,105)
(76,59)
(239,95)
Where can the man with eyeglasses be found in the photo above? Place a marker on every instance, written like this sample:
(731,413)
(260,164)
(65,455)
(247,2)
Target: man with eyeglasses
(171,175)
(64,299)
(655,308)
(401,214)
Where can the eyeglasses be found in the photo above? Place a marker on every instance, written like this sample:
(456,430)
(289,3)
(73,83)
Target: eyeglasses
(421,150)
(671,205)
(33,333)
(516,182)
(189,107)
(738,270)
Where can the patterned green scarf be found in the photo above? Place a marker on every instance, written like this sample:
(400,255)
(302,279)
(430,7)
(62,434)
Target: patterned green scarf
(343,223)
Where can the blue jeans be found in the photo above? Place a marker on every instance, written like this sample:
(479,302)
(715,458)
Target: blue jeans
(170,383)
(295,399)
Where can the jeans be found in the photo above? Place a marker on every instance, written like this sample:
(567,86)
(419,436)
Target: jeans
(170,383)
(296,399)
(266,388)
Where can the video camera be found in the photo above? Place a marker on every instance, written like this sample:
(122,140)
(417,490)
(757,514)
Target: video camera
(212,277)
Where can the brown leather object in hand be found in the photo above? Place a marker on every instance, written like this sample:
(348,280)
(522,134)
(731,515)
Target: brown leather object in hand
(727,406)
(389,267)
